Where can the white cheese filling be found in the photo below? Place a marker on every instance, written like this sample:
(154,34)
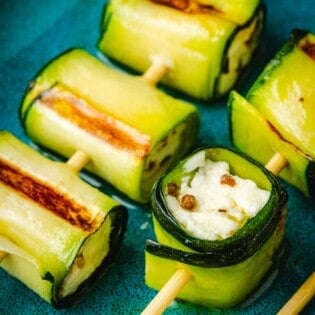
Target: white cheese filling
(222,203)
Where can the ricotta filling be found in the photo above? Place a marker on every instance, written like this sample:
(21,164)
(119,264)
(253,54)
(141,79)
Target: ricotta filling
(212,204)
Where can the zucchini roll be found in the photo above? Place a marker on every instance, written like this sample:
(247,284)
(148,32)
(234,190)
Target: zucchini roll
(278,112)
(220,216)
(207,42)
(131,131)
(58,234)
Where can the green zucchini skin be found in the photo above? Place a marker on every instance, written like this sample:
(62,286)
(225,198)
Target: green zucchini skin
(310,175)
(205,62)
(131,131)
(269,119)
(251,248)
(215,287)
(59,233)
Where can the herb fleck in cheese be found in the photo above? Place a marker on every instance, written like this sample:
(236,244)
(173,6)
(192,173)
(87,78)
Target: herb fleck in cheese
(222,202)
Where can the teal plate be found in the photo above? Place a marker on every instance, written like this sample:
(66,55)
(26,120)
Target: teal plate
(32,33)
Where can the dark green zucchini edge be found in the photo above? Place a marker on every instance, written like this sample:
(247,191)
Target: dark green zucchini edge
(261,9)
(310,175)
(32,84)
(106,17)
(246,242)
(24,117)
(119,217)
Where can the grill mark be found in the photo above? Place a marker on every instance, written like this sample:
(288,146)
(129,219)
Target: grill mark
(274,130)
(188,6)
(279,135)
(76,110)
(309,49)
(47,197)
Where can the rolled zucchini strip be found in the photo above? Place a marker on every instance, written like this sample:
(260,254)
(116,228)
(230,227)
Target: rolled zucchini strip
(58,234)
(131,131)
(208,50)
(231,249)
(278,115)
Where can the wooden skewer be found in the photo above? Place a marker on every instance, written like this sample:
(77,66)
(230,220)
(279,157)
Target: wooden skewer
(78,160)
(159,68)
(300,298)
(181,277)
(276,163)
(168,293)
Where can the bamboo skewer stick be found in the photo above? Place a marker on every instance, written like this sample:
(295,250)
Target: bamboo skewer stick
(276,163)
(78,160)
(300,298)
(181,277)
(160,66)
(168,293)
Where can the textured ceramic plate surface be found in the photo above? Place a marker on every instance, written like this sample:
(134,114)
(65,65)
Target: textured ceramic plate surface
(32,33)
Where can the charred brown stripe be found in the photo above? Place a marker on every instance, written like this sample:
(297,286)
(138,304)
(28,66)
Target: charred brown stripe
(188,6)
(46,196)
(309,49)
(279,135)
(99,124)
